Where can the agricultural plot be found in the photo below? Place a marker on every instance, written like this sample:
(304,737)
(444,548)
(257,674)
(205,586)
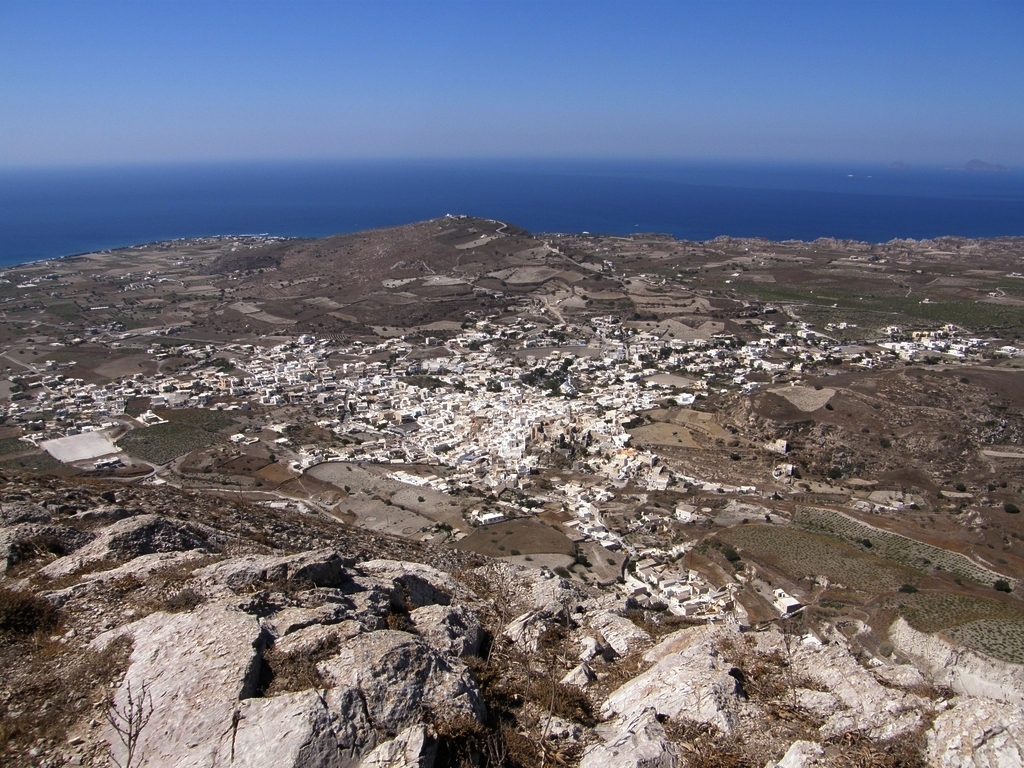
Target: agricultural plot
(802,554)
(987,626)
(186,431)
(1001,639)
(903,550)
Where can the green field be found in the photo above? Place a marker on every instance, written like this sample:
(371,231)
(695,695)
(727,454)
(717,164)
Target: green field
(967,314)
(803,554)
(903,550)
(188,430)
(999,638)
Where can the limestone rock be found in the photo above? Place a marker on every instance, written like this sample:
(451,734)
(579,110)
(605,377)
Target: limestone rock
(802,754)
(319,568)
(196,666)
(961,669)
(14,512)
(862,703)
(289,731)
(399,678)
(581,676)
(126,539)
(416,585)
(977,733)
(409,749)
(139,568)
(689,680)
(620,633)
(450,629)
(17,541)
(900,676)
(107,512)
(637,741)
(317,638)
(557,728)
(293,618)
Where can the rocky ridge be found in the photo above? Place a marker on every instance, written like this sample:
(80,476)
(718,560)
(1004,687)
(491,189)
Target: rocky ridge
(315,645)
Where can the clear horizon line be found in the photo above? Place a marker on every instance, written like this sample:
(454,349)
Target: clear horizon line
(953,165)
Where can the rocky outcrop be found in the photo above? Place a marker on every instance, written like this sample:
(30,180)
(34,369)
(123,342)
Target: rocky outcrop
(689,679)
(959,668)
(319,568)
(802,754)
(976,733)
(451,629)
(127,539)
(14,512)
(849,697)
(196,667)
(293,731)
(26,540)
(637,741)
(400,679)
(412,748)
(415,584)
(621,634)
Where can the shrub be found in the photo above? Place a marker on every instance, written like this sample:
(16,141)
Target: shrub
(22,613)
(731,554)
(182,601)
(907,589)
(1002,585)
(1011,508)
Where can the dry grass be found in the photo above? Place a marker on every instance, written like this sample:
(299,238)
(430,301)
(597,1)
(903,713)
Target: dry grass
(49,686)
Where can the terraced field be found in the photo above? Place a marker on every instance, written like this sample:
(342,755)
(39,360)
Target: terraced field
(801,554)
(988,626)
(1001,639)
(893,546)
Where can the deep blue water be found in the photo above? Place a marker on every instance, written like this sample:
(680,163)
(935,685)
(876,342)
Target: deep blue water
(47,213)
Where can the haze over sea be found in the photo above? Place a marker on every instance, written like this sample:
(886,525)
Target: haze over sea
(52,213)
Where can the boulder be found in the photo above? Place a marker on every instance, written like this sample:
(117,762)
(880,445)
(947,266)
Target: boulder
(620,633)
(196,667)
(400,679)
(107,512)
(316,569)
(409,749)
(454,630)
(18,541)
(581,676)
(524,631)
(977,733)
(289,731)
(415,584)
(637,741)
(127,539)
(689,679)
(14,512)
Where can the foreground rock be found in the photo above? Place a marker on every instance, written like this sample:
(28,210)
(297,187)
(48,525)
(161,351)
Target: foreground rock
(977,734)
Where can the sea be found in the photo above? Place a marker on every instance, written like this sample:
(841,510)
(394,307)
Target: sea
(47,213)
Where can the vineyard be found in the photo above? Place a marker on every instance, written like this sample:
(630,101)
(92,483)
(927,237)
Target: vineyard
(804,554)
(893,546)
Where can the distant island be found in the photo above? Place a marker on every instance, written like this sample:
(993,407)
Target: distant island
(981,165)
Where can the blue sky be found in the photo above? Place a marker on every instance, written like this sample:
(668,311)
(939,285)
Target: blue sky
(103,82)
